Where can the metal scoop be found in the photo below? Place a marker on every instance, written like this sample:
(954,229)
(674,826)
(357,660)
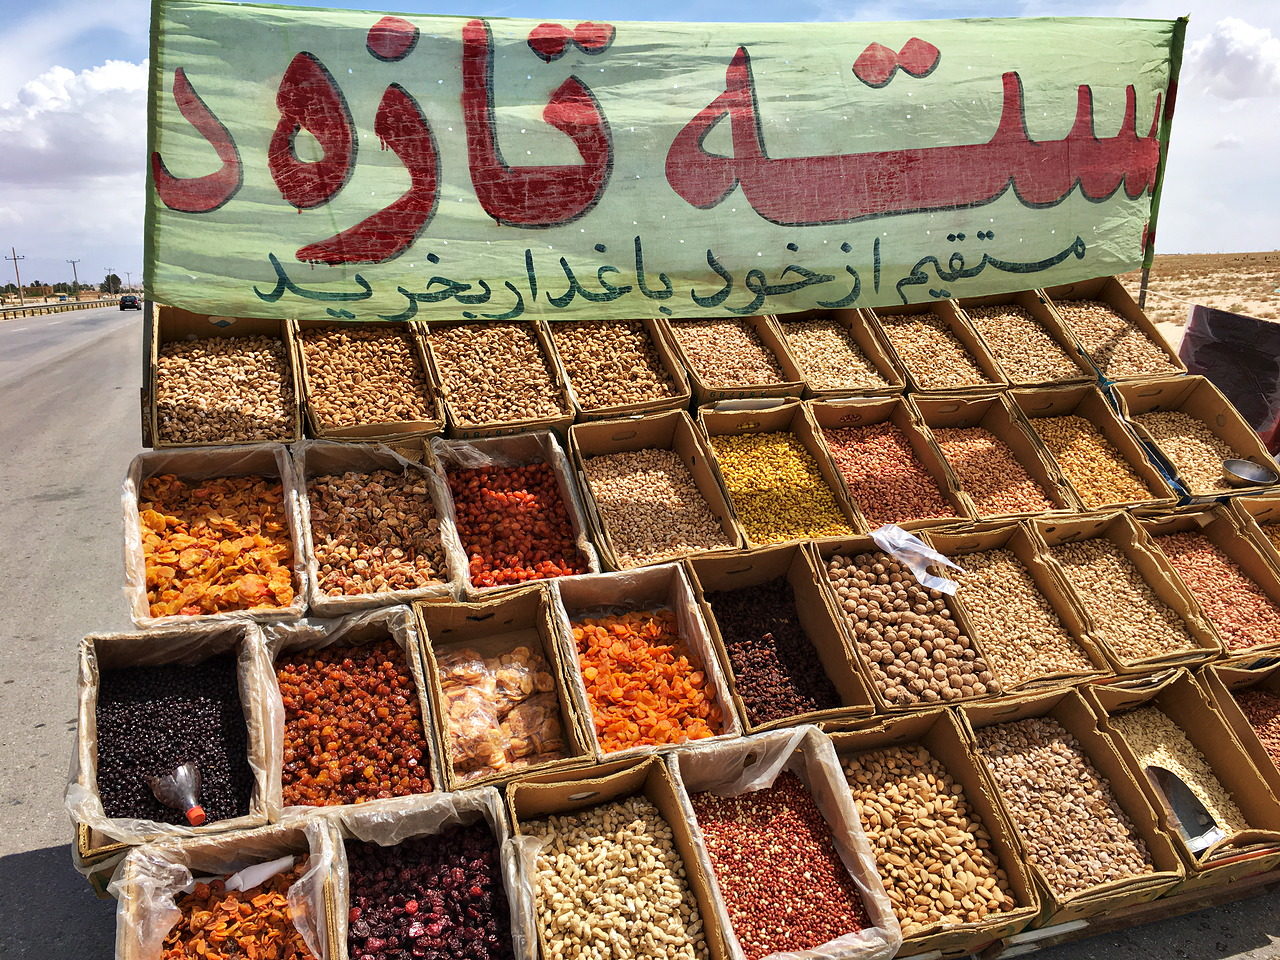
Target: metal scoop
(1198,827)
(1241,473)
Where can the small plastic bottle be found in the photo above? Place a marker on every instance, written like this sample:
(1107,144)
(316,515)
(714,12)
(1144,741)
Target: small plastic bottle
(180,788)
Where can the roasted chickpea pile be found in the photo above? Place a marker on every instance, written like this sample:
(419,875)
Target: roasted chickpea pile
(352,726)
(514,525)
(777,489)
(215,923)
(215,545)
(793,895)
(907,633)
(645,685)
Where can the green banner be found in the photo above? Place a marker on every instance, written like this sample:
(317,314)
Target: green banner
(337,163)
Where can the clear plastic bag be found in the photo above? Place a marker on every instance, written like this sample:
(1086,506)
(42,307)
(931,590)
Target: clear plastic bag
(917,555)
(263,715)
(320,457)
(149,880)
(407,817)
(268,460)
(397,623)
(753,763)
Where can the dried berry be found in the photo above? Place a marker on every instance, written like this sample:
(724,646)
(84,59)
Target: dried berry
(514,525)
(439,897)
(776,670)
(151,719)
(352,727)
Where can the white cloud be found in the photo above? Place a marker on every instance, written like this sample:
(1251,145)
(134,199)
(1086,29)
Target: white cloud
(65,125)
(1236,61)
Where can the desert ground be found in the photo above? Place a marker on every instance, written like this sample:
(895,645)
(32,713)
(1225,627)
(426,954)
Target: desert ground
(1244,283)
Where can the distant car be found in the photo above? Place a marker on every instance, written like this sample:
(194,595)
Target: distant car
(130,302)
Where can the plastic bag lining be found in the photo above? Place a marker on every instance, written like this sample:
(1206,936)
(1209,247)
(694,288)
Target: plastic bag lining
(512,451)
(669,587)
(149,880)
(269,460)
(365,458)
(754,763)
(259,700)
(399,625)
(917,555)
(429,814)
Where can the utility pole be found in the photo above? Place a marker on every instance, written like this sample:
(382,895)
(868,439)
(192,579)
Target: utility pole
(15,258)
(108,279)
(128,279)
(75,282)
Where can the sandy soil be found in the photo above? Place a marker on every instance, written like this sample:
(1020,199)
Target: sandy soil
(1240,282)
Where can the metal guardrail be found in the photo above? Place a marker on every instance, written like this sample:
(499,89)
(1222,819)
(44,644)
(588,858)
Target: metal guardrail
(33,310)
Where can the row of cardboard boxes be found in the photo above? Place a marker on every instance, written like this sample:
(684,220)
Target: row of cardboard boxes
(597,541)
(690,386)
(1018,828)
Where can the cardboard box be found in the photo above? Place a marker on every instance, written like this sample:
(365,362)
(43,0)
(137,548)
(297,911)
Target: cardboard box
(706,391)
(152,878)
(567,792)
(1260,513)
(1222,528)
(459,430)
(1222,682)
(525,617)
(170,324)
(375,430)
(1070,709)
(664,431)
(996,413)
(821,554)
(786,417)
(270,460)
(431,815)
(1087,401)
(100,837)
(709,574)
(1111,291)
(646,588)
(1199,398)
(99,870)
(316,458)
(508,451)
(859,331)
(1182,700)
(753,763)
(397,624)
(938,731)
(834,414)
(1018,540)
(657,334)
(883,320)
(1136,545)
(1034,302)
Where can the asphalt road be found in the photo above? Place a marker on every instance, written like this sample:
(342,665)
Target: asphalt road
(68,428)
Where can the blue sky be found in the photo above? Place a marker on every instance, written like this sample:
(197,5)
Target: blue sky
(73,88)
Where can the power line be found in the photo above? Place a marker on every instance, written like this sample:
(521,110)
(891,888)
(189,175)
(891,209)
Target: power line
(75,278)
